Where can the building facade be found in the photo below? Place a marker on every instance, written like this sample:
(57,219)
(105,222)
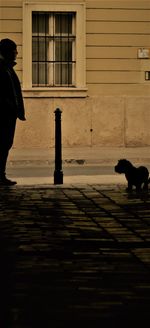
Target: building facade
(89,58)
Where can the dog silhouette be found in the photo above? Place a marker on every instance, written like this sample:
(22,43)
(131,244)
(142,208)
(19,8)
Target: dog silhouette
(135,176)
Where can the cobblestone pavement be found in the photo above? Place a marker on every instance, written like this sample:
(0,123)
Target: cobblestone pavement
(74,255)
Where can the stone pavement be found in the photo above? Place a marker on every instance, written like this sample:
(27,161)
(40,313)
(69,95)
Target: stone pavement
(74,255)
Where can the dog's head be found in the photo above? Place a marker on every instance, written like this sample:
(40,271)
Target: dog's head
(123,166)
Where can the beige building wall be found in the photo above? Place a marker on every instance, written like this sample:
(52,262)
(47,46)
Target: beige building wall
(116,108)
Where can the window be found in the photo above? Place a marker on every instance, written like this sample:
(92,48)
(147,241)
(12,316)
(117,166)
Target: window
(54,48)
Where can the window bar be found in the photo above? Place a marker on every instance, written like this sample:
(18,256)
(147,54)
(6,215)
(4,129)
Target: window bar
(68,50)
(61,48)
(38,56)
(54,52)
(45,44)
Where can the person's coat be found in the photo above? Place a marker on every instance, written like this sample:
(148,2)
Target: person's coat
(11,100)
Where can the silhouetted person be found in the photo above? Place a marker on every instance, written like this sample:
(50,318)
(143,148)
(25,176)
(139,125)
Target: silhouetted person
(11,103)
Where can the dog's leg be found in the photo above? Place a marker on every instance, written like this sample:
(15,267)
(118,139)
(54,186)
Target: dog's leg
(129,187)
(145,186)
(138,187)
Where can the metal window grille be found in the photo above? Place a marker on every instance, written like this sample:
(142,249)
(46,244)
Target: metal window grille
(53,49)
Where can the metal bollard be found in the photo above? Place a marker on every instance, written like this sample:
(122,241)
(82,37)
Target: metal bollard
(58,173)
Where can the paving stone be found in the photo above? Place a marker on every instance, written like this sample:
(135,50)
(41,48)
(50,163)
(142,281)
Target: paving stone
(74,255)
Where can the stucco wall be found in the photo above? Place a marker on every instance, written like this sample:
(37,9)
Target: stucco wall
(116,111)
(94,121)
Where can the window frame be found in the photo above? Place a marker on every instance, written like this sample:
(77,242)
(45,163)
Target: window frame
(79,90)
